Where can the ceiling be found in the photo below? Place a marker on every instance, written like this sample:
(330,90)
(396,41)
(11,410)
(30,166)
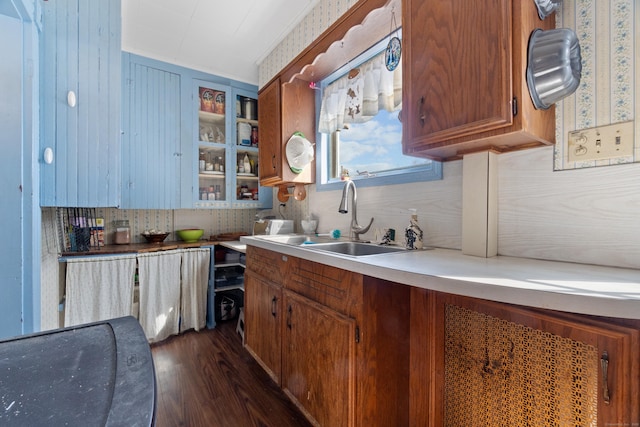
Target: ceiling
(227,38)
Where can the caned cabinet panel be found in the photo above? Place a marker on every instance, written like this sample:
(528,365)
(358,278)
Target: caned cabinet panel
(507,365)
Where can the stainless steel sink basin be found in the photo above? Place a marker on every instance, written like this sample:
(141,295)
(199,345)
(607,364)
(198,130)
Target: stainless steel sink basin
(355,248)
(293,239)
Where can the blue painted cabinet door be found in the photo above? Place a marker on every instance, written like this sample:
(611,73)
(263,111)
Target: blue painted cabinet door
(11,214)
(81,53)
(151,139)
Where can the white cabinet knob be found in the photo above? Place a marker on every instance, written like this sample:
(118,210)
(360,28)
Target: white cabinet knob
(71,98)
(48,155)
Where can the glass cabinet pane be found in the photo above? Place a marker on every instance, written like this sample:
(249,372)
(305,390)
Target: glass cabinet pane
(247,148)
(212,144)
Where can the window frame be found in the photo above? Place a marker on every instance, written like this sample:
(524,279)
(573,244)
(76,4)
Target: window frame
(431,171)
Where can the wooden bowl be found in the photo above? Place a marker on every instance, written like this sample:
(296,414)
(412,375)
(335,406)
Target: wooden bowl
(155,237)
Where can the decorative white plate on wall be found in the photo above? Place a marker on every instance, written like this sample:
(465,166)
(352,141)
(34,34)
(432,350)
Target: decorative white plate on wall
(299,152)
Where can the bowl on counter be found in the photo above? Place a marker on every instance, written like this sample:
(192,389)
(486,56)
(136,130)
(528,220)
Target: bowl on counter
(152,237)
(190,235)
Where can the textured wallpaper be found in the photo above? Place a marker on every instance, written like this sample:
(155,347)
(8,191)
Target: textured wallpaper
(609,46)
(315,23)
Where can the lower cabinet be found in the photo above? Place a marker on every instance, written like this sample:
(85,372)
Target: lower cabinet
(352,350)
(336,344)
(319,360)
(262,319)
(491,363)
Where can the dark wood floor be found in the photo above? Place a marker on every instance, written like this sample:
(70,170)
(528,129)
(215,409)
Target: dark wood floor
(208,379)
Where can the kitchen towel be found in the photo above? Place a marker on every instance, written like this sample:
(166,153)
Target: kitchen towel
(195,279)
(99,288)
(159,279)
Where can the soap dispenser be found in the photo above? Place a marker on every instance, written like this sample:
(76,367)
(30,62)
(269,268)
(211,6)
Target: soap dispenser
(413,233)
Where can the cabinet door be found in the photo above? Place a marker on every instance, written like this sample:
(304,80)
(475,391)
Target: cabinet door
(151,141)
(269,116)
(213,132)
(245,156)
(506,365)
(81,53)
(285,109)
(464,76)
(263,320)
(319,360)
(457,68)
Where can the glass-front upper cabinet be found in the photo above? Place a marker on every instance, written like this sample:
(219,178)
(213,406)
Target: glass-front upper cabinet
(246,160)
(227,141)
(212,143)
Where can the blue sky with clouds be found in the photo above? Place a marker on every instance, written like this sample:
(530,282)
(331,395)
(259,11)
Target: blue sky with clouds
(375,145)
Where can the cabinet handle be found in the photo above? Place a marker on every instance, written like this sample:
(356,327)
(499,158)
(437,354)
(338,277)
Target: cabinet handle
(274,300)
(422,116)
(273,161)
(604,363)
(289,312)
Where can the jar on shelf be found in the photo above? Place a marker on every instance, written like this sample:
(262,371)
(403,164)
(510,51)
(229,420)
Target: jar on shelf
(254,136)
(123,232)
(202,161)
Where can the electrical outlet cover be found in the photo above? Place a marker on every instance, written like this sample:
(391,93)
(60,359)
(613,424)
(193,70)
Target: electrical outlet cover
(601,143)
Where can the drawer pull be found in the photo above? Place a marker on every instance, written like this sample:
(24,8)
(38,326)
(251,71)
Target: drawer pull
(274,300)
(604,362)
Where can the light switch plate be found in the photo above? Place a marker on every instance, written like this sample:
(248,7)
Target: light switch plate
(601,143)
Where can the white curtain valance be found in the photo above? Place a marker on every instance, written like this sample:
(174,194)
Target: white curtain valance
(358,98)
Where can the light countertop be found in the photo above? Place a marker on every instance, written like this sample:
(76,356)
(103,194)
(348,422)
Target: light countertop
(569,287)
(153,247)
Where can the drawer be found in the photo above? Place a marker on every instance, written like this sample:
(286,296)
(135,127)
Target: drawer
(333,287)
(270,265)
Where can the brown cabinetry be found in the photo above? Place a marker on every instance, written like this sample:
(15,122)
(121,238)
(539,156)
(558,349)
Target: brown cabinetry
(319,360)
(269,116)
(464,78)
(337,346)
(353,350)
(263,307)
(491,363)
(284,108)
(263,311)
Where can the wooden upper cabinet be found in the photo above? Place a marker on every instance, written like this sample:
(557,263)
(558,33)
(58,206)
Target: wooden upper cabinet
(270,156)
(464,78)
(283,109)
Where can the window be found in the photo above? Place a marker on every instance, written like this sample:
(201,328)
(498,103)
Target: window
(359,126)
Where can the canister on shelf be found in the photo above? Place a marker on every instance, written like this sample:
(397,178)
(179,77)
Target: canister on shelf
(254,136)
(123,232)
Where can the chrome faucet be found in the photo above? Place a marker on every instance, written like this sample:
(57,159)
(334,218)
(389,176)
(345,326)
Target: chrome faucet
(355,229)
